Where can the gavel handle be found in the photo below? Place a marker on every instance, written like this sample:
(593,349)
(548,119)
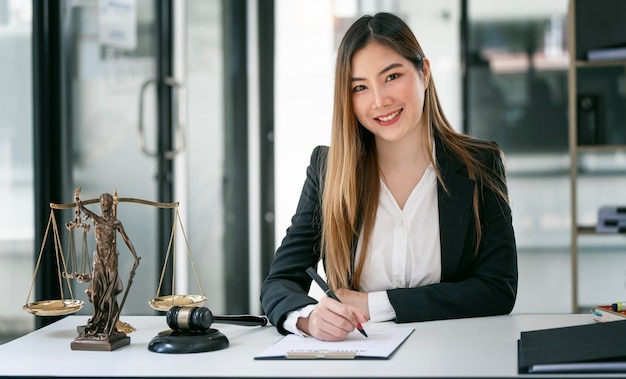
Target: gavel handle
(241,320)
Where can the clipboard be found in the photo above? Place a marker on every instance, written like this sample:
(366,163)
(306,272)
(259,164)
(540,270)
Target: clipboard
(384,339)
(590,348)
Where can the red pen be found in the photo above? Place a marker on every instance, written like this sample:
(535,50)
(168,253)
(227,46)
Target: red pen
(320,282)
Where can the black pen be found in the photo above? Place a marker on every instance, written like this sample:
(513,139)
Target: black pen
(320,282)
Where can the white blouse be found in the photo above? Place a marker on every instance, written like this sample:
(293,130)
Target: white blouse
(404,250)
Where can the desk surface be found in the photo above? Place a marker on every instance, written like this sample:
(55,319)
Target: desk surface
(484,347)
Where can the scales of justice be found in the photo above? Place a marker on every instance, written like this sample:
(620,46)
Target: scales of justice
(104,331)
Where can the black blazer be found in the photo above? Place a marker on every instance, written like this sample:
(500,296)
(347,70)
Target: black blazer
(481,284)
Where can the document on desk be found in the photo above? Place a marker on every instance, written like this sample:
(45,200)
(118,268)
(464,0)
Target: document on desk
(382,341)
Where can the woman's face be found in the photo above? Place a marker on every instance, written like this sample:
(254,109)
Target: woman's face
(388,93)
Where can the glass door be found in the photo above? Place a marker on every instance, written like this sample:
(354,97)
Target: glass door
(147,121)
(113,77)
(16,172)
(132,93)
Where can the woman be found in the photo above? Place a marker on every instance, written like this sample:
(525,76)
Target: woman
(410,218)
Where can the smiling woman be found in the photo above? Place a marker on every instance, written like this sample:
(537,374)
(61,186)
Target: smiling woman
(410,218)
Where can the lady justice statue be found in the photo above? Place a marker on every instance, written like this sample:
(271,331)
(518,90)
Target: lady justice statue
(101,332)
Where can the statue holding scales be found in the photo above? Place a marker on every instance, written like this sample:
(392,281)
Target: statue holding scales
(104,331)
(105,283)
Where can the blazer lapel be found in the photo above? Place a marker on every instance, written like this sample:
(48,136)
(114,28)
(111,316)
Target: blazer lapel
(454,210)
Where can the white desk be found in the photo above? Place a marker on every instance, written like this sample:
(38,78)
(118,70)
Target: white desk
(483,347)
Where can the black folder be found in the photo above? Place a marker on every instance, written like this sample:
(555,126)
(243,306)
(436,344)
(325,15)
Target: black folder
(591,348)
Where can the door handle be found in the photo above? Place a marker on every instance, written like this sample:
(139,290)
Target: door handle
(179,138)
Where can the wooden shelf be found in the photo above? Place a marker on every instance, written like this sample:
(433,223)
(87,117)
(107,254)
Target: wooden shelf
(604,17)
(607,63)
(587,230)
(590,230)
(600,148)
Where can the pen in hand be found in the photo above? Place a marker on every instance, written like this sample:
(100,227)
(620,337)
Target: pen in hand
(320,282)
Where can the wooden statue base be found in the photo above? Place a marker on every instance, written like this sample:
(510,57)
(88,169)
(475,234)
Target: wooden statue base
(99,342)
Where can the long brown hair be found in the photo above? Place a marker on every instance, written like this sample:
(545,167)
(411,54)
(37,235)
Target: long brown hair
(352,183)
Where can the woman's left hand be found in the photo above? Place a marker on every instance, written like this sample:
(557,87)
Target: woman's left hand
(354,298)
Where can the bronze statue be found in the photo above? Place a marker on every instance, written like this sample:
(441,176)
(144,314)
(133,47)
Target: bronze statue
(105,284)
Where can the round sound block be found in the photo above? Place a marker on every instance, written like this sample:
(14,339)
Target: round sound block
(184,342)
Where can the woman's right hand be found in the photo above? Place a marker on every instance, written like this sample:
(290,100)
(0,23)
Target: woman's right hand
(331,320)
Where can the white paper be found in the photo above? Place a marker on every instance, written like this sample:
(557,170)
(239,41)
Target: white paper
(117,23)
(383,339)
